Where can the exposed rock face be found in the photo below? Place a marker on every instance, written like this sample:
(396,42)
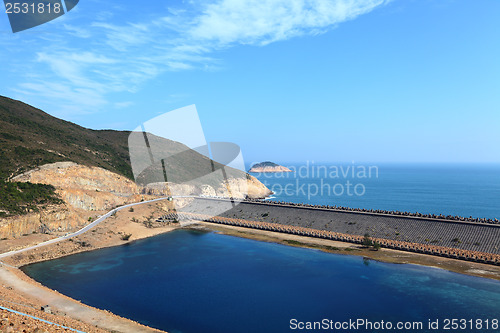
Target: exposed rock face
(268,167)
(87,190)
(69,176)
(58,218)
(241,188)
(83,189)
(166,189)
(207,190)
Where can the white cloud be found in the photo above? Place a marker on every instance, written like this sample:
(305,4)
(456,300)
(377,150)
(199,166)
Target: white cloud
(121,38)
(70,100)
(77,31)
(262,22)
(109,57)
(123,105)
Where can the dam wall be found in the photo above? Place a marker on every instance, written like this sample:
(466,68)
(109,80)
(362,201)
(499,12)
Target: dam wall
(454,253)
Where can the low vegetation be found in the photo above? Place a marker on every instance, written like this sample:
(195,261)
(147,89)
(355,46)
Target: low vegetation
(18,198)
(368,242)
(126,237)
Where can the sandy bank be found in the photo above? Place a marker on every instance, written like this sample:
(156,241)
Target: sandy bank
(21,293)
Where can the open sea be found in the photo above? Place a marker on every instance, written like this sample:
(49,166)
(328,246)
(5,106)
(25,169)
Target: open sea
(464,190)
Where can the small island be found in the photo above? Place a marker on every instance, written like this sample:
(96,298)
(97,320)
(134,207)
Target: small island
(268,167)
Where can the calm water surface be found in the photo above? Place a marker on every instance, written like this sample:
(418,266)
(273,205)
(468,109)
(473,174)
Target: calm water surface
(193,281)
(464,190)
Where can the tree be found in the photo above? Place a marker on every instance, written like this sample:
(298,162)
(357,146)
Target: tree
(367,241)
(126,237)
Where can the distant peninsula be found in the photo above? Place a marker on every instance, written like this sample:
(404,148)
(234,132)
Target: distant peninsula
(268,167)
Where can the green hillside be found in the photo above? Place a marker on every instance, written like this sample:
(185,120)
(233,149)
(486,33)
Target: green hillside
(30,137)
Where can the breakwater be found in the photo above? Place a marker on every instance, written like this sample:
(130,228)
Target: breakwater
(480,237)
(454,253)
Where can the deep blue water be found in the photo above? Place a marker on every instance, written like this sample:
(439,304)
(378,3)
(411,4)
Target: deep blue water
(192,281)
(464,190)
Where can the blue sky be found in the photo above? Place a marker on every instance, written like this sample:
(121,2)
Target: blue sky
(287,80)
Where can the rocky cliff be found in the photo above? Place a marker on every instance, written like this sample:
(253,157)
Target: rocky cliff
(83,187)
(240,188)
(88,191)
(84,190)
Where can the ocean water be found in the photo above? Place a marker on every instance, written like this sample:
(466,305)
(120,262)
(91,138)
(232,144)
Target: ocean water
(464,190)
(192,281)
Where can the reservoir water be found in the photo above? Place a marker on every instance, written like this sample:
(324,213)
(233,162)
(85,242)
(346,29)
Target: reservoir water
(193,281)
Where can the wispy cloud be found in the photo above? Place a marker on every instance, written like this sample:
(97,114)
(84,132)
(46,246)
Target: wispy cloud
(262,22)
(77,31)
(123,105)
(81,67)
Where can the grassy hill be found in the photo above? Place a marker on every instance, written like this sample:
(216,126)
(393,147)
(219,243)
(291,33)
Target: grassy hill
(30,137)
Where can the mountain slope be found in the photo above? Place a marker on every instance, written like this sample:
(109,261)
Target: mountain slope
(30,138)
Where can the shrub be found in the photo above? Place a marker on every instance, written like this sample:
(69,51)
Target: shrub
(367,241)
(126,237)
(21,198)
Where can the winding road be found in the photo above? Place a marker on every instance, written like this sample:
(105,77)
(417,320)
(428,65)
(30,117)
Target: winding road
(357,217)
(84,229)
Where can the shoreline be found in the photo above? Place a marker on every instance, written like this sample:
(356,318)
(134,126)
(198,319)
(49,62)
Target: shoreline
(19,292)
(385,255)
(121,221)
(474,242)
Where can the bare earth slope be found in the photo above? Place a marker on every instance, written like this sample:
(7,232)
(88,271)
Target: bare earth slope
(85,191)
